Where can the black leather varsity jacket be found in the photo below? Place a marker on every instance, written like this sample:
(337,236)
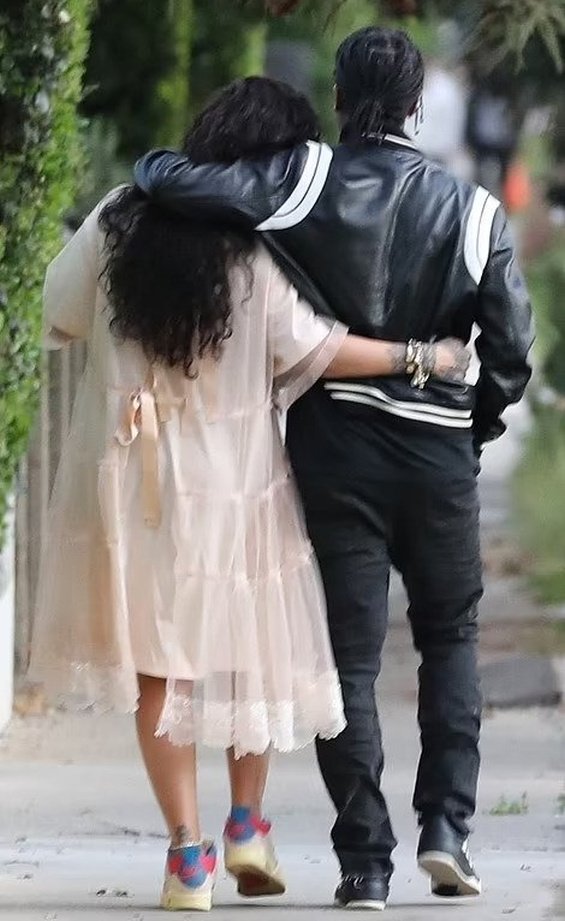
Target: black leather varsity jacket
(396,247)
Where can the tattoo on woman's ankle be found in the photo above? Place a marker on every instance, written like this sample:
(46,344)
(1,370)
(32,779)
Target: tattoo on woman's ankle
(181,836)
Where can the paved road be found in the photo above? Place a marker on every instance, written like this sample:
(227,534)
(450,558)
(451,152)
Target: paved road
(81,839)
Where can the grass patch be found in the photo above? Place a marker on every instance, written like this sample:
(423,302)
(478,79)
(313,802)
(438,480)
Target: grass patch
(511,807)
(549,586)
(539,482)
(539,503)
(558,631)
(545,637)
(548,639)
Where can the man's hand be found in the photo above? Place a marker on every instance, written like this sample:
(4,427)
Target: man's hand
(452,360)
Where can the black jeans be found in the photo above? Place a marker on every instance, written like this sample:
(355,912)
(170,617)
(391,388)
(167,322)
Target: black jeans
(379,509)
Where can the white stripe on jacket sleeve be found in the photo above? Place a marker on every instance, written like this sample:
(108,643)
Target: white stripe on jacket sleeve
(307,191)
(477,233)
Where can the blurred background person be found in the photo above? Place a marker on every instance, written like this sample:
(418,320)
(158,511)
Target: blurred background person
(441,135)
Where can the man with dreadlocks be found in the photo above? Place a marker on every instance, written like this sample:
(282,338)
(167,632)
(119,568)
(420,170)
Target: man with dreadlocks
(395,247)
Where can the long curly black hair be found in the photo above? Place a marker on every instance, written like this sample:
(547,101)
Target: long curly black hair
(167,278)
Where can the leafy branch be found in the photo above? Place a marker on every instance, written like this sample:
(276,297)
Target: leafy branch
(507,26)
(504,28)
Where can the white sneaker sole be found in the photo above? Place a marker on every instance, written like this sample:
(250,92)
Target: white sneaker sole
(255,873)
(177,897)
(445,871)
(365,905)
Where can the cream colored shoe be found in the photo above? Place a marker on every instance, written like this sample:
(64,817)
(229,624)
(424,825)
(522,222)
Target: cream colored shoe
(250,856)
(190,876)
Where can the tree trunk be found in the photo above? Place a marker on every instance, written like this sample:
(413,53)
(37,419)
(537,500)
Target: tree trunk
(281,7)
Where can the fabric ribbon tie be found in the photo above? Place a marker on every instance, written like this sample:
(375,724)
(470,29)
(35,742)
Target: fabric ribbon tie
(141,418)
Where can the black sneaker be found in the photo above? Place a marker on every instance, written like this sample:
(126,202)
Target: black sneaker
(357,891)
(444,854)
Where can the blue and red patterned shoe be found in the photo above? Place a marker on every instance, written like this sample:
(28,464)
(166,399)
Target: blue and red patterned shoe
(190,876)
(250,855)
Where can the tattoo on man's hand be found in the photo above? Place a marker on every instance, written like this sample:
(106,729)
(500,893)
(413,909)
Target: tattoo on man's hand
(397,352)
(461,361)
(456,363)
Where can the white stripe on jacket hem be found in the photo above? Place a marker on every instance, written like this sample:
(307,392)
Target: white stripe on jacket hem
(371,396)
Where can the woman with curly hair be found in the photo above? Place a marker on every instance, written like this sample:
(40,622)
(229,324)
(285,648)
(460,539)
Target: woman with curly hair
(178,580)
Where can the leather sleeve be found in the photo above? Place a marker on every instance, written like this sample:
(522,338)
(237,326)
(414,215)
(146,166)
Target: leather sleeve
(505,319)
(247,192)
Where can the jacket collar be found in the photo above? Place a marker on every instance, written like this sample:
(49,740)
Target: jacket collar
(401,140)
(395,137)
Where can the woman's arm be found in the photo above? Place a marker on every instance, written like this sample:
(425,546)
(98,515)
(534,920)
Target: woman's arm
(361,357)
(71,281)
(305,347)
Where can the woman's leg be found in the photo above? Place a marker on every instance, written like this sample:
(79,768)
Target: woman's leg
(171,768)
(249,853)
(248,779)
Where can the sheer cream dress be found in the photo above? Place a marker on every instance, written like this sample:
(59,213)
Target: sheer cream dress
(176,545)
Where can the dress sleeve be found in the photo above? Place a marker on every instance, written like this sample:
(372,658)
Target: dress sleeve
(302,344)
(69,293)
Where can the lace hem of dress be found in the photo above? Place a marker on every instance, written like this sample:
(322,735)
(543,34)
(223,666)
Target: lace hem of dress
(251,727)
(247,726)
(82,686)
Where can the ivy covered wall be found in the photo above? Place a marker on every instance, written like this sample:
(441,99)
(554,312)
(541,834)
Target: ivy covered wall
(43,44)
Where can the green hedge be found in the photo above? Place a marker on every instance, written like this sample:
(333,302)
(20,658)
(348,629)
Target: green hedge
(137,72)
(539,481)
(546,281)
(42,47)
(228,42)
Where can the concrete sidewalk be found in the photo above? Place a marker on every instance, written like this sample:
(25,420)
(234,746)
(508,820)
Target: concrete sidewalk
(81,838)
